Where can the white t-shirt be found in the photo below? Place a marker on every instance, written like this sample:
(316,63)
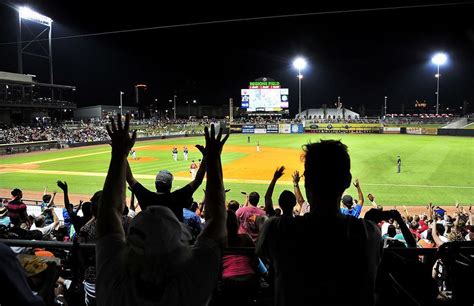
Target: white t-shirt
(45,230)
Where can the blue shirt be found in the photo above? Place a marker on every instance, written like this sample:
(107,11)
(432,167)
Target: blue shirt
(5,221)
(354,211)
(192,220)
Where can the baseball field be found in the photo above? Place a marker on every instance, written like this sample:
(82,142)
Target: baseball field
(434,169)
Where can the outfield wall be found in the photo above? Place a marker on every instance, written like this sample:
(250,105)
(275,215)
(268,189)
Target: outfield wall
(456,132)
(293,128)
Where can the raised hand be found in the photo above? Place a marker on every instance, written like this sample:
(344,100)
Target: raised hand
(62,185)
(296,177)
(214,143)
(356,183)
(279,172)
(122,142)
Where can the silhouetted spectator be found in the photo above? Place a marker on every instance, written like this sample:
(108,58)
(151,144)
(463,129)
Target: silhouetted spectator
(284,240)
(155,264)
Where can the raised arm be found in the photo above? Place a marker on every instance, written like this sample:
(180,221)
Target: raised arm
(130,179)
(55,217)
(359,192)
(372,200)
(67,204)
(132,200)
(409,239)
(112,200)
(434,233)
(51,201)
(268,195)
(296,180)
(215,195)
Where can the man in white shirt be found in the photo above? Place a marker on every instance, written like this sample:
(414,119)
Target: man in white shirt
(40,224)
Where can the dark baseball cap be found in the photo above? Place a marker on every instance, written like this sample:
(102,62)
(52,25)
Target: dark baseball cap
(164,177)
(347,200)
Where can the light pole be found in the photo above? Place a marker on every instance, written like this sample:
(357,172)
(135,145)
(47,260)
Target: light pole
(299,63)
(121,112)
(438,59)
(174,107)
(385,107)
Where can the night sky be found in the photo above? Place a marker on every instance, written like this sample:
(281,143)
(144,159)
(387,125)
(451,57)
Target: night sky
(361,56)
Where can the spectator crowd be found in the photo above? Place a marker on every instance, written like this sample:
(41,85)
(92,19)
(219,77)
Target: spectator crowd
(166,248)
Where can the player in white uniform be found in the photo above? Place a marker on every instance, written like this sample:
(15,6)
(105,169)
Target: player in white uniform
(258,146)
(185,153)
(134,154)
(175,154)
(193,170)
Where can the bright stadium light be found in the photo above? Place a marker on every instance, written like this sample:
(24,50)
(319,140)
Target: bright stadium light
(438,59)
(299,63)
(29,14)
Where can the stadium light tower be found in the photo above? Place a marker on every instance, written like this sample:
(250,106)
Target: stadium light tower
(438,59)
(299,63)
(25,13)
(121,112)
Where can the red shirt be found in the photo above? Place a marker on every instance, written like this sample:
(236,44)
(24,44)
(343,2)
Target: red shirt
(236,265)
(16,208)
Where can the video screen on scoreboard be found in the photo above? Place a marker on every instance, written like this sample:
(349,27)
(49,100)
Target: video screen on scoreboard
(265,100)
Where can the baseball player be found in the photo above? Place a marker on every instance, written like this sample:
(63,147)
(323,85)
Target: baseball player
(175,154)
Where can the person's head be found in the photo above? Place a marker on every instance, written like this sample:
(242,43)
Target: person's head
(87,209)
(46,198)
(287,202)
(96,197)
(163,181)
(277,212)
(39,221)
(194,206)
(233,205)
(347,201)
(416,218)
(414,225)
(17,193)
(158,245)
(254,197)
(391,230)
(327,173)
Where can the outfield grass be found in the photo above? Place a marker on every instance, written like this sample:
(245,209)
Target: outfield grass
(436,169)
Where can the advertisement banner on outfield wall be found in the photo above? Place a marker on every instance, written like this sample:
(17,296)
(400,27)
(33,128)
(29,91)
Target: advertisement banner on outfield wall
(429,131)
(272,128)
(297,128)
(285,128)
(391,130)
(414,130)
(260,129)
(248,129)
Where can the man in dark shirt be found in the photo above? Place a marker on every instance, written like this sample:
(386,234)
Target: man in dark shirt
(346,246)
(176,200)
(399,164)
